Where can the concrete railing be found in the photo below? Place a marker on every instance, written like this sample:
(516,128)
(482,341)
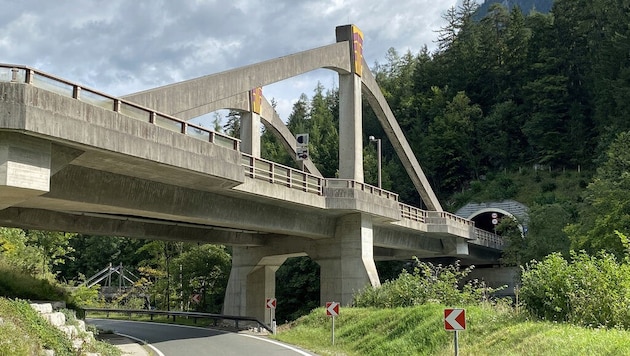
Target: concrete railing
(23,74)
(409,212)
(444,215)
(352,184)
(275,173)
(488,239)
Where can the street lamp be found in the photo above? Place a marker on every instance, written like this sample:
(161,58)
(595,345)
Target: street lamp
(378,153)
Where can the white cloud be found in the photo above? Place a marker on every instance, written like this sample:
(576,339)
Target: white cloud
(121,46)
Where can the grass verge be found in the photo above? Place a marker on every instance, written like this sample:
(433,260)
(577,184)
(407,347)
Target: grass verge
(420,331)
(24,332)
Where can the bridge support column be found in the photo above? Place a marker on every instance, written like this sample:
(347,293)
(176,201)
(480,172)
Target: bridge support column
(24,168)
(252,280)
(347,261)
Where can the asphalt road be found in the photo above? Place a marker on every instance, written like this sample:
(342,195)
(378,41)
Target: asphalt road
(176,340)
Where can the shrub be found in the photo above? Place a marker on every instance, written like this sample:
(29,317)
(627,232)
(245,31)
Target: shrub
(427,284)
(85,297)
(589,291)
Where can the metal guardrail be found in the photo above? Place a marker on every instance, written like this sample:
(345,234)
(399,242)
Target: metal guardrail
(194,315)
(23,74)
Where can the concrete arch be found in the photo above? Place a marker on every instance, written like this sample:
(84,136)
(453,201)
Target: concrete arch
(491,210)
(231,88)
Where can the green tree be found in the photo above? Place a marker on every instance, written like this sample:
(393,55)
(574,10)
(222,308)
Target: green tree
(607,203)
(16,252)
(55,246)
(450,144)
(297,288)
(202,270)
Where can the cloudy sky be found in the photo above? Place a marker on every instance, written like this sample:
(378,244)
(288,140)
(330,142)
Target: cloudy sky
(123,46)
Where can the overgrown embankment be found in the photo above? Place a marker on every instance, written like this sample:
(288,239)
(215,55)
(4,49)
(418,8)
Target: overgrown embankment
(420,330)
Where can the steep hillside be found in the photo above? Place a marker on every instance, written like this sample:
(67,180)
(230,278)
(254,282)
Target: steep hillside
(543,6)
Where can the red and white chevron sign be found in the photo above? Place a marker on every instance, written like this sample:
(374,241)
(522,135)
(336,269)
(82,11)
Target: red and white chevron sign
(332,308)
(455,319)
(270,303)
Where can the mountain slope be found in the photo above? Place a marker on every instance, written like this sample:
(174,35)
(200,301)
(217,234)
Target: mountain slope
(543,6)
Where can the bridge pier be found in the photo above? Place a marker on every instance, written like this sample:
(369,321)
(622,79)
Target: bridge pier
(347,261)
(346,266)
(252,280)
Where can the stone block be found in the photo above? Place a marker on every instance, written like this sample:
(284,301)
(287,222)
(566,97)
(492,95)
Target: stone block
(42,307)
(56,318)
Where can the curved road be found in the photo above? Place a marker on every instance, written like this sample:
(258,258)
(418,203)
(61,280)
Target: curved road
(176,340)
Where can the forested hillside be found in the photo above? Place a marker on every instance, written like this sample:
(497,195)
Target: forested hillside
(526,6)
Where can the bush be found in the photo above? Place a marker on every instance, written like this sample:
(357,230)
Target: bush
(588,291)
(17,284)
(427,284)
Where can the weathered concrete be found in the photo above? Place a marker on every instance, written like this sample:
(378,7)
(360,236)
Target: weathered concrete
(347,261)
(24,168)
(198,94)
(350,128)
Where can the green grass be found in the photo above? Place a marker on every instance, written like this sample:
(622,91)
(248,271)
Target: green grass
(16,284)
(24,332)
(420,331)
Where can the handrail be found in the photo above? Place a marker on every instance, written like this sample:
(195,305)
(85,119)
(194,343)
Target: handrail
(412,213)
(489,239)
(174,314)
(37,78)
(349,183)
(449,216)
(262,169)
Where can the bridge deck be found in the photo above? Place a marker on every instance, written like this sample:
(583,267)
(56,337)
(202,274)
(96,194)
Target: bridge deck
(107,140)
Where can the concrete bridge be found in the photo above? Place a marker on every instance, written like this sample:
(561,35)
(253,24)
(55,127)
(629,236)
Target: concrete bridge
(75,159)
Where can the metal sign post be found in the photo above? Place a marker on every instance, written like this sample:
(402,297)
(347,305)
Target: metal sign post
(455,320)
(332,309)
(456,341)
(270,303)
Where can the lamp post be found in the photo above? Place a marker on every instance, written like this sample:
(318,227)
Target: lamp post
(378,153)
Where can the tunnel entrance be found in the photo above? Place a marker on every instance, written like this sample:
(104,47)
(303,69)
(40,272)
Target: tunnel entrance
(488,220)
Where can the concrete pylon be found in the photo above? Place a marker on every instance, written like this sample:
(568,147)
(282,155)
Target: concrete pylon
(252,280)
(250,133)
(350,110)
(250,124)
(347,261)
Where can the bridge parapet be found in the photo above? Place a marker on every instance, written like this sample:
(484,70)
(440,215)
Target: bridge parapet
(445,222)
(26,75)
(350,195)
(353,184)
(487,239)
(408,212)
(271,172)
